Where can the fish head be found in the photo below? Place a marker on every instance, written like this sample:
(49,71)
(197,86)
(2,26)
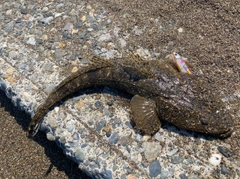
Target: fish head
(196,107)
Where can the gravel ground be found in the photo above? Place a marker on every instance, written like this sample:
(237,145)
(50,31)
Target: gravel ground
(207,32)
(21,157)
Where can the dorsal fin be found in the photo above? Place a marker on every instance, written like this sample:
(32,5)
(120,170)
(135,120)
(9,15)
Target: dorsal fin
(136,67)
(94,63)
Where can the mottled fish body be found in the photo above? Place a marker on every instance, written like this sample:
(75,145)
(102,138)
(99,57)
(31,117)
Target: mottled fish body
(159,93)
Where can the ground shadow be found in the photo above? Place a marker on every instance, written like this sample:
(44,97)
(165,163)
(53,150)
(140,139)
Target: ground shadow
(54,153)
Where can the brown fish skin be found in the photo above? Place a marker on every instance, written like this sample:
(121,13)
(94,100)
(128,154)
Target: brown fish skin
(160,93)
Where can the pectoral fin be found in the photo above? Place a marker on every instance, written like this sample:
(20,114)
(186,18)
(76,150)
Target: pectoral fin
(145,115)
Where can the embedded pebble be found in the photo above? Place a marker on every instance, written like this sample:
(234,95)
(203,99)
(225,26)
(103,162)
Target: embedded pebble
(83,18)
(237,94)
(31,41)
(171,171)
(105,155)
(124,140)
(97,104)
(151,150)
(85,61)
(9,12)
(154,169)
(40,48)
(106,112)
(9,26)
(238,163)
(51,137)
(215,159)
(193,176)
(114,138)
(68,27)
(95,26)
(74,70)
(44,37)
(48,67)
(82,35)
(79,25)
(10,71)
(164,174)
(122,42)
(223,151)
(108,174)
(146,137)
(127,123)
(49,88)
(24,11)
(158,137)
(117,121)
(79,105)
(103,50)
(70,127)
(56,109)
(177,159)
(95,52)
(52,123)
(225,170)
(172,152)
(47,20)
(108,134)
(103,55)
(73,144)
(131,177)
(143,52)
(75,136)
(183,176)
(93,166)
(100,125)
(84,145)
(180,30)
(79,155)
(110,53)
(12,54)
(45,9)
(90,29)
(59,53)
(190,160)
(139,137)
(105,37)
(106,129)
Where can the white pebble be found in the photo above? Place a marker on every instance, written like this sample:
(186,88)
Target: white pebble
(122,42)
(52,123)
(56,109)
(31,41)
(45,9)
(47,20)
(50,137)
(9,12)
(180,30)
(215,159)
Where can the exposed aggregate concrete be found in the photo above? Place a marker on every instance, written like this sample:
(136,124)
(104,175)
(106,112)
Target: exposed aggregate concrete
(42,42)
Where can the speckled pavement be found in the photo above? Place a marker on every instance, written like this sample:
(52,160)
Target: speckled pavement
(42,42)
